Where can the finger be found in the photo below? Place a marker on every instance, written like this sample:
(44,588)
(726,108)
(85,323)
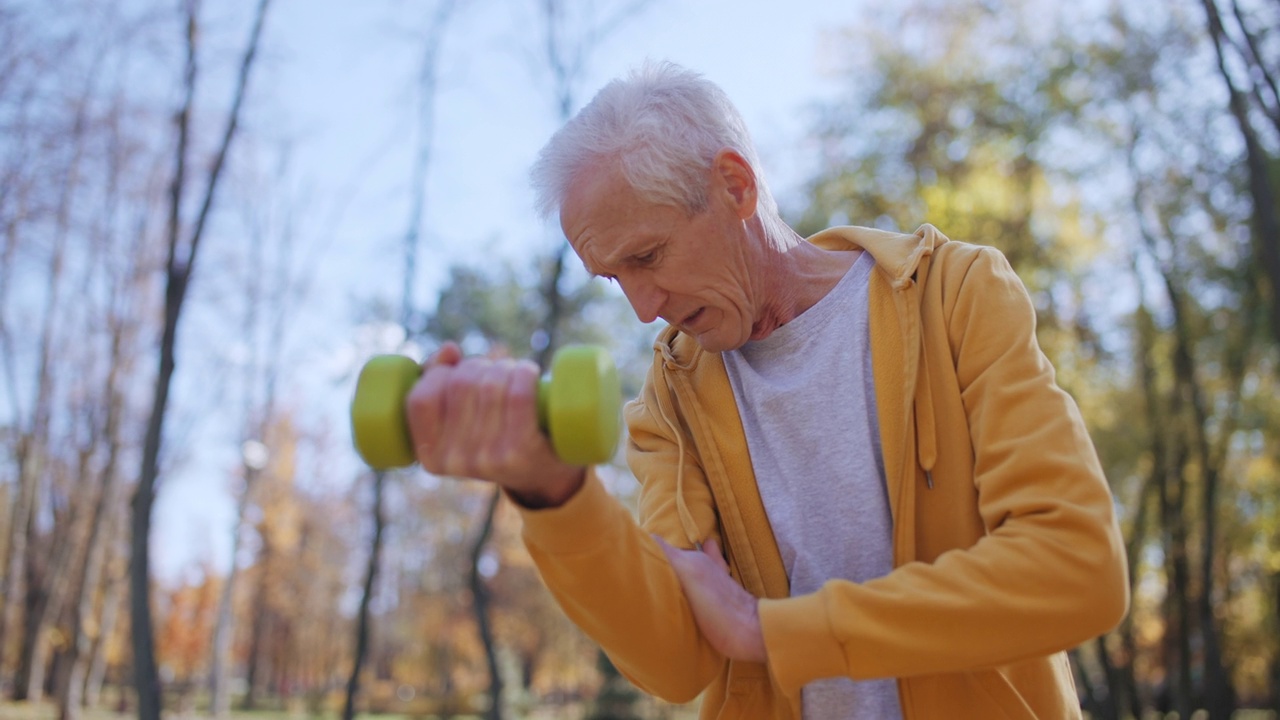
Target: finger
(463,408)
(493,446)
(521,419)
(448,354)
(673,554)
(712,548)
(425,411)
(662,544)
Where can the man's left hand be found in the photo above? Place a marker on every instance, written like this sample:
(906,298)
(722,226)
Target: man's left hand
(726,614)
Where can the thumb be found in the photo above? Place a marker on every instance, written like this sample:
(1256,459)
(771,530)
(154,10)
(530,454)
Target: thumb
(674,555)
(712,548)
(448,354)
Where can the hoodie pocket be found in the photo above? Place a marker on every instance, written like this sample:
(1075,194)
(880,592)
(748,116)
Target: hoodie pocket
(979,695)
(745,699)
(1004,696)
(747,694)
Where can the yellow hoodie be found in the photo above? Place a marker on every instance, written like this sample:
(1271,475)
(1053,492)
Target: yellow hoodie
(1006,547)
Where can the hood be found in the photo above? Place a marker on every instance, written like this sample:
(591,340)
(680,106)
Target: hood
(899,256)
(902,259)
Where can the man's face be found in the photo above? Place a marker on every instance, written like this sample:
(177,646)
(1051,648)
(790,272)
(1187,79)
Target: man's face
(695,273)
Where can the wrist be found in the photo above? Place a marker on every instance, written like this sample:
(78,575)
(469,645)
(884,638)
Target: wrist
(552,493)
(752,647)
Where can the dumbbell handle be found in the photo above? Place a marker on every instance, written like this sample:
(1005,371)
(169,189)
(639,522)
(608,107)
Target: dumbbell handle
(577,407)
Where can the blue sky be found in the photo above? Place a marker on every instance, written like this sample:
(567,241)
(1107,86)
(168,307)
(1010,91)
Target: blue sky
(336,85)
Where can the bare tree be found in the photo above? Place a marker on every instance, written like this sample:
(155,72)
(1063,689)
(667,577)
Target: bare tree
(568,41)
(481,598)
(112,589)
(269,290)
(183,248)
(32,440)
(363,618)
(427,88)
(1261,96)
(567,44)
(1190,447)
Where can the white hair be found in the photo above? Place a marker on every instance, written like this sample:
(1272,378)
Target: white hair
(663,125)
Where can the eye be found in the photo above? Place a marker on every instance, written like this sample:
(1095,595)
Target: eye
(646,258)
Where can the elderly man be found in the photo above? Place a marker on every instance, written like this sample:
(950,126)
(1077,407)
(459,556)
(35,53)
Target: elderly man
(863,494)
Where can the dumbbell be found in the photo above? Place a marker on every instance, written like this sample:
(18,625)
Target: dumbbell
(578,408)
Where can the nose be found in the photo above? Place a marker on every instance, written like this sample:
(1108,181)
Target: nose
(645,296)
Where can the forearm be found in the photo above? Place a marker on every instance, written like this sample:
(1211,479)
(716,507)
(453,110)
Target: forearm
(611,578)
(1018,593)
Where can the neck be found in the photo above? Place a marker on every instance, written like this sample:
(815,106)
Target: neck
(794,276)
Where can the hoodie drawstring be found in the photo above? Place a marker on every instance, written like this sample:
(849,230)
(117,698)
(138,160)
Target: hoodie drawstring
(682,508)
(926,436)
(925,425)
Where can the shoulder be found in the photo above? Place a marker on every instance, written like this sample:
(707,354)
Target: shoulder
(960,267)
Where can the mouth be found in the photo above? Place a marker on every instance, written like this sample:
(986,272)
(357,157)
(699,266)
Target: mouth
(691,318)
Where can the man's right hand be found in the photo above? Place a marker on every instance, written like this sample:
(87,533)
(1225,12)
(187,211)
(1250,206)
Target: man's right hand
(477,418)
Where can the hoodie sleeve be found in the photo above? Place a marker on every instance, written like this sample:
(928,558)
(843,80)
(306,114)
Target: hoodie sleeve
(609,575)
(1047,573)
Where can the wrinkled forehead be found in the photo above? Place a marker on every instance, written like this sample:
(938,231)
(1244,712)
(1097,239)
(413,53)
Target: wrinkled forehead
(594,185)
(602,215)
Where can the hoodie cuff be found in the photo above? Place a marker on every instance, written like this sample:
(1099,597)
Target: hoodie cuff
(799,641)
(583,521)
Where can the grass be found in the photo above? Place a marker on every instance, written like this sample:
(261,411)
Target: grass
(49,711)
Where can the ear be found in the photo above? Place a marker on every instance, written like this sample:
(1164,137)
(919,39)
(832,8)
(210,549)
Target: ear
(735,181)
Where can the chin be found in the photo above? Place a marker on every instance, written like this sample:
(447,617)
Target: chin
(760,331)
(718,343)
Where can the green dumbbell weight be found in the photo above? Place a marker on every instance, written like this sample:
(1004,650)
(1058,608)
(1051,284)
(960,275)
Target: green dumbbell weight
(578,407)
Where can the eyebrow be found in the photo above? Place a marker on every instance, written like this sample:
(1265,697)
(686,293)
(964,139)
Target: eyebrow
(624,254)
(636,248)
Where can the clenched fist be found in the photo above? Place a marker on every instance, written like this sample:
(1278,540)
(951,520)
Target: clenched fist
(477,418)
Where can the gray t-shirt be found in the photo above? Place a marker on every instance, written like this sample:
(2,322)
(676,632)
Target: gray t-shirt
(807,400)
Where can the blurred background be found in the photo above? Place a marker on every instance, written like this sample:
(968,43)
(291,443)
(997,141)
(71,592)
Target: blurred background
(211,213)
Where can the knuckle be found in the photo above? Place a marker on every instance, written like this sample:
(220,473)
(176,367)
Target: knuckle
(493,383)
(429,460)
(455,464)
(486,466)
(526,368)
(420,399)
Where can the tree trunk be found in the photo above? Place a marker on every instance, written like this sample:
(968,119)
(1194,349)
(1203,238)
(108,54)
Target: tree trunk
(69,540)
(480,606)
(1216,686)
(370,579)
(258,630)
(1109,706)
(1275,661)
(102,530)
(36,599)
(32,466)
(219,692)
(1266,219)
(71,684)
(220,695)
(112,598)
(33,445)
(1177,604)
(1089,702)
(49,612)
(15,568)
(146,676)
(1124,683)
(180,265)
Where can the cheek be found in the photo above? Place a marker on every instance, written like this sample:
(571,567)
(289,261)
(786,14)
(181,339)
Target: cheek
(730,294)
(717,282)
